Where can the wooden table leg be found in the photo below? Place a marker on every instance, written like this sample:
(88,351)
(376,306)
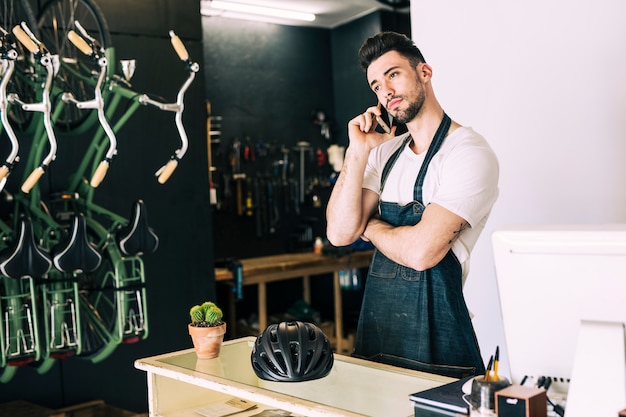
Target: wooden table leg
(306,289)
(232,313)
(262,307)
(338,313)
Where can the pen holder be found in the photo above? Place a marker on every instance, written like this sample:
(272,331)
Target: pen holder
(482,398)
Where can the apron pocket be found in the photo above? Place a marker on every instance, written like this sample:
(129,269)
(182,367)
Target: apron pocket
(382,267)
(410,274)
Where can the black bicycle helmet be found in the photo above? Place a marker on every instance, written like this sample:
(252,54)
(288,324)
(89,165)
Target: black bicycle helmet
(292,351)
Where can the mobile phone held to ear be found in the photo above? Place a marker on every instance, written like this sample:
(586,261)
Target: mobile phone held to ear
(381,122)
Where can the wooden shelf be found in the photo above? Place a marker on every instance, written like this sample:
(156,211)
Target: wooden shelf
(262,270)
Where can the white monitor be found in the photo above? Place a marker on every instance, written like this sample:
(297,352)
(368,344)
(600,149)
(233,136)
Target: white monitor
(550,278)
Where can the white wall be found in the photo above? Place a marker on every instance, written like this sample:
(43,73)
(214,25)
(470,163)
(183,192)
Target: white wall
(545,83)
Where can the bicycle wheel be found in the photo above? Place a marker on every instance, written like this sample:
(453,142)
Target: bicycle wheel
(22,83)
(56,19)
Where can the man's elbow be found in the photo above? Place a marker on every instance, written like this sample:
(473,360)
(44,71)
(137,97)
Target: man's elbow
(421,261)
(340,239)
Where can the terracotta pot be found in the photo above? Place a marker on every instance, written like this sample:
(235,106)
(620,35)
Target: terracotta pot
(207,340)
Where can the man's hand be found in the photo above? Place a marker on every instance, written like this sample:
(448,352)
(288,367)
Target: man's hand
(362,129)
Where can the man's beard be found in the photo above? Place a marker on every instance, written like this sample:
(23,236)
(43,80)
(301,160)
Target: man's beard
(405,116)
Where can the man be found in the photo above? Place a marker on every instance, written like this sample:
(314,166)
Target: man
(422,199)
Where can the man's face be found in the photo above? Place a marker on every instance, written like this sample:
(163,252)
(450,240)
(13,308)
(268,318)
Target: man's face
(397,85)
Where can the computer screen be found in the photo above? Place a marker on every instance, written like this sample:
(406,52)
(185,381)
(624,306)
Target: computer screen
(549,278)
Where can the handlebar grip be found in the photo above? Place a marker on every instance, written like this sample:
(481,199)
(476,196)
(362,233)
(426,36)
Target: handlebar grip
(4,171)
(167,171)
(179,47)
(32,179)
(25,40)
(79,42)
(98,176)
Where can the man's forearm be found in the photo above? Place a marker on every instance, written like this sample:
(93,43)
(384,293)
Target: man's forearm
(385,237)
(405,245)
(344,213)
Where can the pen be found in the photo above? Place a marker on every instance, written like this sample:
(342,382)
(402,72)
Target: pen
(547,384)
(381,122)
(496,361)
(488,371)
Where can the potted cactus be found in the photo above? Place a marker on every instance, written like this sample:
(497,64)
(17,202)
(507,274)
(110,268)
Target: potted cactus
(206,329)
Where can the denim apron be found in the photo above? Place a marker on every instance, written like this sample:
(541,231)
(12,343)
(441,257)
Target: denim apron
(417,319)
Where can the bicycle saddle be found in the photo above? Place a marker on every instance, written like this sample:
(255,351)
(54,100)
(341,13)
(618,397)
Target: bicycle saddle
(76,253)
(25,258)
(137,238)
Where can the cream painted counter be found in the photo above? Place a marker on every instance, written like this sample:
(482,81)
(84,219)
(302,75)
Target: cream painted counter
(179,383)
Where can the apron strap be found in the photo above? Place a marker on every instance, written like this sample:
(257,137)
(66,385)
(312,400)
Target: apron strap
(440,135)
(391,162)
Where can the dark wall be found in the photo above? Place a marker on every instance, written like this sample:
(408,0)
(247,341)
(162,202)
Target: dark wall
(265,81)
(180,273)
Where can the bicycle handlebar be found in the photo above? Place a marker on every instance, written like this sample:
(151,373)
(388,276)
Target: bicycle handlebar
(178,46)
(93,49)
(47,60)
(9,54)
(25,40)
(79,42)
(166,170)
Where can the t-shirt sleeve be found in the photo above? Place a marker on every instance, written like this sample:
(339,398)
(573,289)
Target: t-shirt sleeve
(468,182)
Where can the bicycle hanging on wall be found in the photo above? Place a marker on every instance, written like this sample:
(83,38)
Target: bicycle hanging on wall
(85,294)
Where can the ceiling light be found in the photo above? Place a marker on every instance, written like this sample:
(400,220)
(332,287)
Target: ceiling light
(259,10)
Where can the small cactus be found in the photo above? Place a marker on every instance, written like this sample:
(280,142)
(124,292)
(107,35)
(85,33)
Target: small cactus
(207,314)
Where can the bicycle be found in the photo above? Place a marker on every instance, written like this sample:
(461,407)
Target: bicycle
(12,13)
(117,306)
(19,334)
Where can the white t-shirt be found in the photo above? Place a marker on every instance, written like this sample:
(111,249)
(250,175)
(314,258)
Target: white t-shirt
(462,177)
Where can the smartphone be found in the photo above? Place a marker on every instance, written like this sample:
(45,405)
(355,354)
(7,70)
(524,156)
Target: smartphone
(381,119)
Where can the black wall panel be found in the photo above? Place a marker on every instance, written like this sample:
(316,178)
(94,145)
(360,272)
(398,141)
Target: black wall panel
(150,18)
(180,273)
(265,81)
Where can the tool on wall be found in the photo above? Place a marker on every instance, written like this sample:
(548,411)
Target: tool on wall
(270,184)
(238,175)
(212,138)
(302,147)
(320,118)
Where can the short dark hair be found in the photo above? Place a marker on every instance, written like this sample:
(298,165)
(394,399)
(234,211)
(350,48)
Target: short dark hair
(383,42)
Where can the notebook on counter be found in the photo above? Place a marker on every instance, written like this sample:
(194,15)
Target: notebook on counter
(448,397)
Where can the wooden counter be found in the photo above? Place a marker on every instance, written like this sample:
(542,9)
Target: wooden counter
(261,270)
(179,384)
